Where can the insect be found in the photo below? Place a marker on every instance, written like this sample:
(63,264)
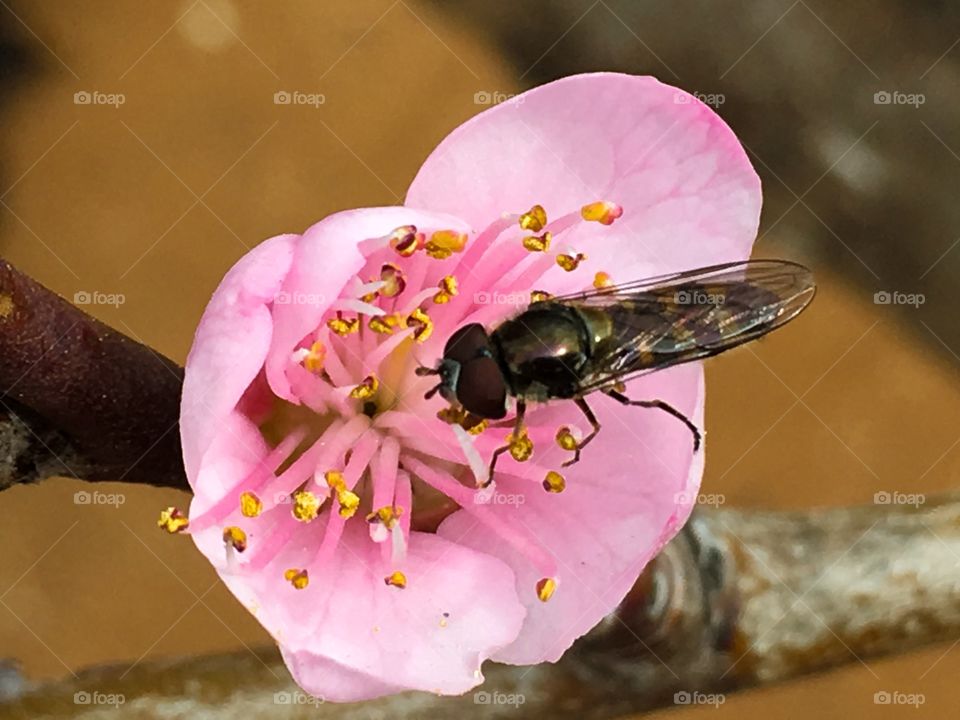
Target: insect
(569,347)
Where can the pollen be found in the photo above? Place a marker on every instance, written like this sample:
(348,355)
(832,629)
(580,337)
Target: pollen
(396,579)
(449,287)
(444,243)
(394,280)
(388,515)
(405,240)
(566,439)
(535,219)
(172,520)
(422,324)
(535,243)
(475,428)
(554,482)
(386,324)
(521,447)
(570,262)
(545,589)
(235,537)
(603,212)
(250,505)
(349,502)
(458,416)
(602,280)
(313,360)
(343,326)
(306,505)
(539,296)
(366,389)
(298,578)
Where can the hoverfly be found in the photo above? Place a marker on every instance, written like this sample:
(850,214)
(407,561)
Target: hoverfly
(568,347)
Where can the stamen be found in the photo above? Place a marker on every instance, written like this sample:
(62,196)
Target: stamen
(422,324)
(521,447)
(387,324)
(554,482)
(405,240)
(535,243)
(393,279)
(298,578)
(313,358)
(534,219)
(306,505)
(570,262)
(250,505)
(343,326)
(539,296)
(602,280)
(444,243)
(235,537)
(603,212)
(448,289)
(172,520)
(396,579)
(366,389)
(348,500)
(566,439)
(545,588)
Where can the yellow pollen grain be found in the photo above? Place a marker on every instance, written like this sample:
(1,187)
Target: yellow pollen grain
(422,324)
(554,482)
(396,579)
(405,240)
(388,515)
(334,479)
(546,588)
(603,212)
(386,324)
(313,361)
(250,505)
(394,280)
(570,262)
(296,577)
(565,439)
(477,428)
(535,243)
(343,326)
(521,448)
(306,505)
(172,520)
(535,219)
(366,389)
(539,296)
(449,288)
(349,502)
(235,537)
(602,280)
(444,243)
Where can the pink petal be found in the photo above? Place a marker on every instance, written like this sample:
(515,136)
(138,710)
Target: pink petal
(630,493)
(689,193)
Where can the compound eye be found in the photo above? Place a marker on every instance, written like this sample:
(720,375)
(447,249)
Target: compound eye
(467,343)
(481,388)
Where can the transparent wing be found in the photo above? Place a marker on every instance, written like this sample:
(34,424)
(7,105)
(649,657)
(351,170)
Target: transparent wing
(664,321)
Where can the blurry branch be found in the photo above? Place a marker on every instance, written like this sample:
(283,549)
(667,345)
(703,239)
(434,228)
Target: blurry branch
(79,399)
(738,599)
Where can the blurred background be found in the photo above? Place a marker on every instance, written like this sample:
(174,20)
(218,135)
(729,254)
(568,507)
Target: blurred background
(143,153)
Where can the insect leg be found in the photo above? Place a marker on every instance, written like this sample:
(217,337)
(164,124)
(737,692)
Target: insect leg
(517,431)
(594,424)
(659,405)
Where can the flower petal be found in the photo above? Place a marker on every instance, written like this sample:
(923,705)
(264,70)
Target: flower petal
(689,194)
(631,492)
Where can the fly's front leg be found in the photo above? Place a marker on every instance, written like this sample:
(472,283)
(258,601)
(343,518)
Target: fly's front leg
(595,429)
(660,405)
(518,432)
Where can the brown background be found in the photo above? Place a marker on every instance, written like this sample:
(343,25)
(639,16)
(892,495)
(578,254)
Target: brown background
(155,199)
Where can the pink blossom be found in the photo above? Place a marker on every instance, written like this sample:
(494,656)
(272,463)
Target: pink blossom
(333,500)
